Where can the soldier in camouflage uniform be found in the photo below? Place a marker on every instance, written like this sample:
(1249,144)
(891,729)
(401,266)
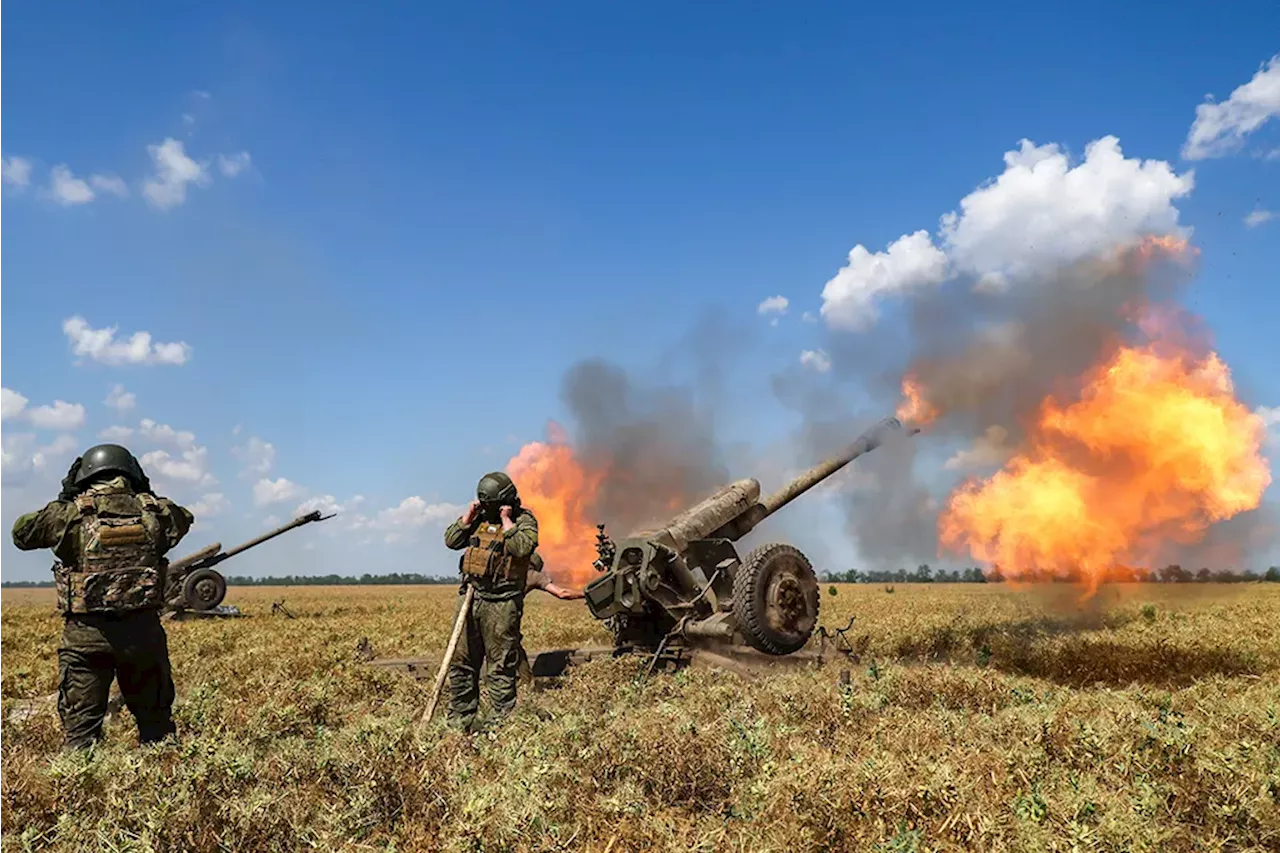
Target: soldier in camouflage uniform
(539,579)
(110,533)
(497,537)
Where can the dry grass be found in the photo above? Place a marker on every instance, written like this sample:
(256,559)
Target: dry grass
(979,718)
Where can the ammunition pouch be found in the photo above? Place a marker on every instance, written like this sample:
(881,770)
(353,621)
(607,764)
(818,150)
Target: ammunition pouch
(486,557)
(108,591)
(120,568)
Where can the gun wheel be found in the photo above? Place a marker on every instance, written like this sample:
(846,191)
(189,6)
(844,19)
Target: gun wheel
(775,595)
(204,589)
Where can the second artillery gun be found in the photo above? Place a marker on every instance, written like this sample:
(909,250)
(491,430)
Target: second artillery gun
(684,585)
(192,582)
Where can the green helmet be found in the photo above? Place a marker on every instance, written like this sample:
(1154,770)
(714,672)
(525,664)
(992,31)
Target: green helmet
(108,459)
(496,488)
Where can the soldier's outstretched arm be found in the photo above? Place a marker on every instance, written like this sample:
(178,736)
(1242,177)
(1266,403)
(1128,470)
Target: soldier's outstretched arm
(521,539)
(43,528)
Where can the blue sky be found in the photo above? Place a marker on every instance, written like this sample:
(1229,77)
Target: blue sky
(368,213)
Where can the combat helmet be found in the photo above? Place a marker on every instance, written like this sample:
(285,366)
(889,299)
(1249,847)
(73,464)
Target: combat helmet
(496,489)
(109,459)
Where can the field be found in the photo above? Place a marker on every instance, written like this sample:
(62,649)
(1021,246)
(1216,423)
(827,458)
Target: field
(977,718)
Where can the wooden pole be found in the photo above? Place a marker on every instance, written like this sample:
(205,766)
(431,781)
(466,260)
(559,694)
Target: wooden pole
(448,655)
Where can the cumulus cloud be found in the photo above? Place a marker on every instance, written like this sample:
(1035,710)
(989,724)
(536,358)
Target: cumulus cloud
(1271,420)
(165,434)
(415,512)
(22,455)
(120,399)
(267,492)
(774,306)
(256,456)
(1039,213)
(16,171)
(61,416)
(911,261)
(210,505)
(110,184)
(11,403)
(191,466)
(1258,216)
(116,433)
(68,190)
(1220,128)
(174,170)
(816,360)
(234,164)
(101,345)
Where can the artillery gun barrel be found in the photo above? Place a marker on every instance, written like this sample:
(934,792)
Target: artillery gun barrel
(297,522)
(868,441)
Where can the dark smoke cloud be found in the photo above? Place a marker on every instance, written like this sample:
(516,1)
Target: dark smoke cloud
(656,433)
(987,359)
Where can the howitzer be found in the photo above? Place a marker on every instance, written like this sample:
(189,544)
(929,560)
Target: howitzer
(193,583)
(683,584)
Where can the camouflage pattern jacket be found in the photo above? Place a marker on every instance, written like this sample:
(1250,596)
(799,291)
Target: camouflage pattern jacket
(58,527)
(520,541)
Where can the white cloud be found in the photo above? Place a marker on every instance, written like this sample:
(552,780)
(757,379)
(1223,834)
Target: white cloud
(809,317)
(209,505)
(165,434)
(257,456)
(173,171)
(66,189)
(116,433)
(1258,216)
(1220,128)
(22,456)
(1040,212)
(987,450)
(100,345)
(266,492)
(415,512)
(327,504)
(775,307)
(911,261)
(120,399)
(815,360)
(110,184)
(191,467)
(11,404)
(61,416)
(59,449)
(16,171)
(233,165)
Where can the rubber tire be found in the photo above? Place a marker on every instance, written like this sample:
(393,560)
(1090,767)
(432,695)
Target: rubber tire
(750,588)
(189,589)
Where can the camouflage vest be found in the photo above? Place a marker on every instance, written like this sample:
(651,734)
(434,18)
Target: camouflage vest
(120,567)
(485,557)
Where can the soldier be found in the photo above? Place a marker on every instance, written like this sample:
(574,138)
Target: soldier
(538,579)
(497,537)
(110,533)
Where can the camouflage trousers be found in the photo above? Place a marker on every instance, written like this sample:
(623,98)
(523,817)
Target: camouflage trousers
(97,648)
(490,637)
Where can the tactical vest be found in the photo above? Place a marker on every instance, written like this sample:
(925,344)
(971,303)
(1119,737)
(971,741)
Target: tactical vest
(120,566)
(485,557)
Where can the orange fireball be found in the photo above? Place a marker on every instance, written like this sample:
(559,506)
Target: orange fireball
(915,409)
(559,491)
(1154,451)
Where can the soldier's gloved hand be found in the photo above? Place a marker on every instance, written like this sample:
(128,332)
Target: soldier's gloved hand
(69,488)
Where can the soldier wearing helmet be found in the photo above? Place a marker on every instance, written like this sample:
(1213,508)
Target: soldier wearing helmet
(110,533)
(497,537)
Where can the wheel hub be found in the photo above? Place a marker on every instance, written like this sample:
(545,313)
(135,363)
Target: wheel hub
(206,590)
